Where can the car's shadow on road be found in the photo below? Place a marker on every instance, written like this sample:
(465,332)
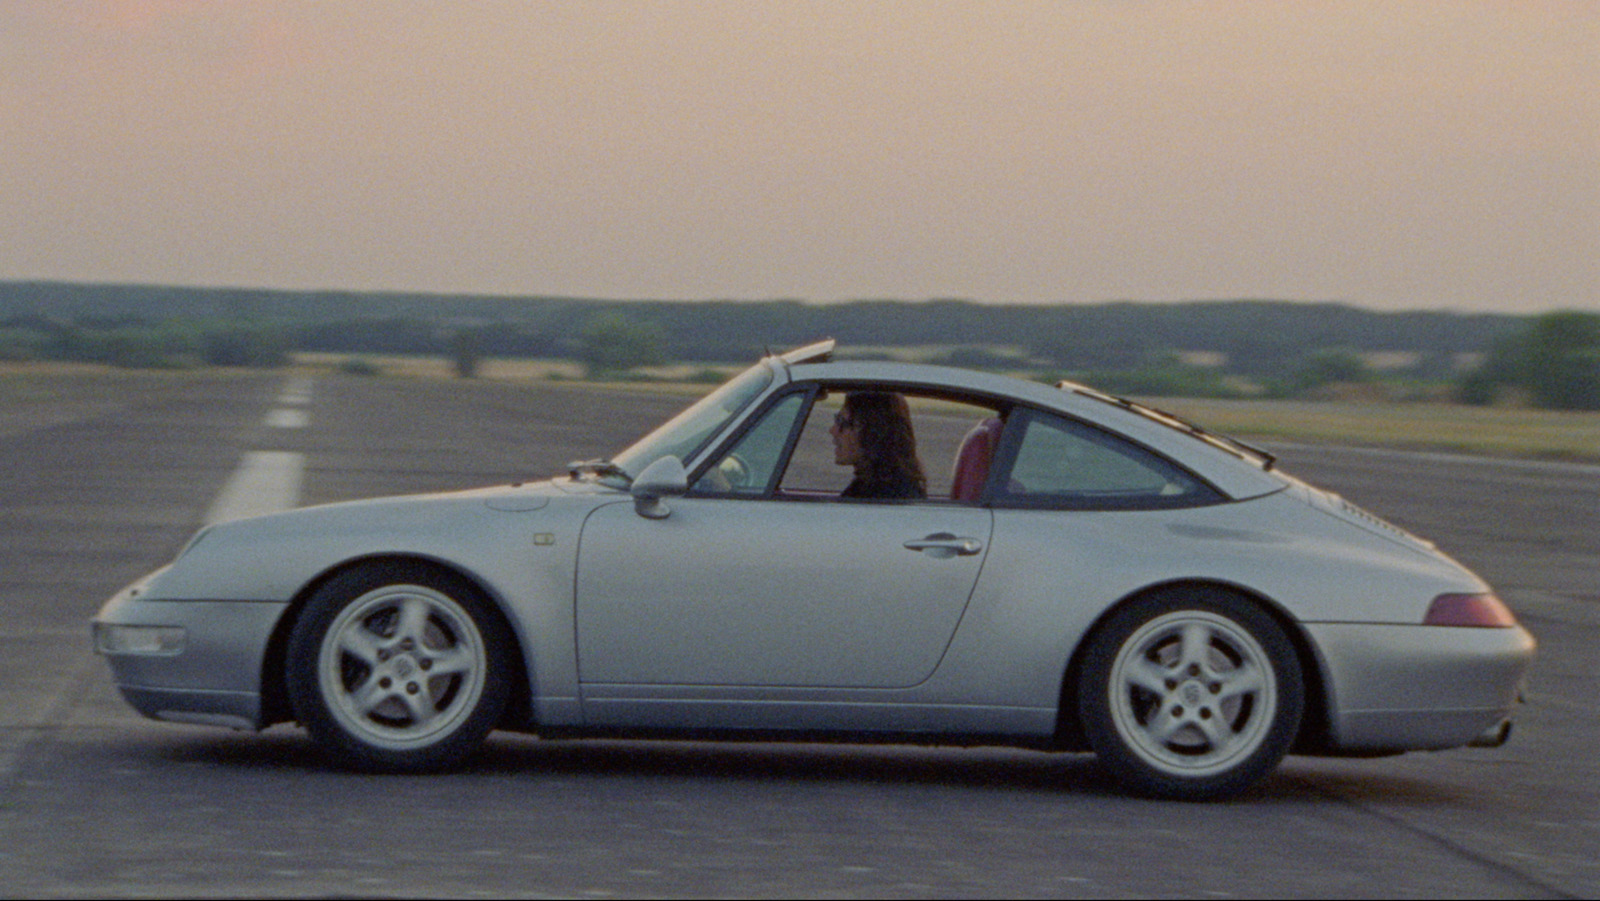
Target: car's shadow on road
(1356,781)
(998,769)
(285,748)
(777,761)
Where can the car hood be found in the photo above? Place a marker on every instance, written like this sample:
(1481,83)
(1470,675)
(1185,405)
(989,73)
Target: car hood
(378,512)
(271,557)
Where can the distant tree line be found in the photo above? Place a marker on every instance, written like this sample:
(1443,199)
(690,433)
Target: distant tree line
(135,343)
(1143,348)
(1555,359)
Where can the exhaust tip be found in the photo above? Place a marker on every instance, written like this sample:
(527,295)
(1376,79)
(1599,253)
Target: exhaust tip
(1493,737)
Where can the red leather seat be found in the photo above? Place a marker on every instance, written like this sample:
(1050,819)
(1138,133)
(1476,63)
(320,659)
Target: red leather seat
(973,459)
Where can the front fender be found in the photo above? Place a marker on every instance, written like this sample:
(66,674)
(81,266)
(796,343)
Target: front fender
(522,555)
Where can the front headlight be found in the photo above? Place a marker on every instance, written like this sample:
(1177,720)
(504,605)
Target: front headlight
(150,641)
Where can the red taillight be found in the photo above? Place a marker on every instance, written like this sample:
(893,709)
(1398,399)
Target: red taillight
(1483,610)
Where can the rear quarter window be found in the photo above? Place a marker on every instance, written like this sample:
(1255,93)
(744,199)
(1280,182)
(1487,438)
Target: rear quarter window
(1056,462)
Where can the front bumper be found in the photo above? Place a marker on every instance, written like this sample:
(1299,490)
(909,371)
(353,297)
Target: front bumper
(187,660)
(1418,688)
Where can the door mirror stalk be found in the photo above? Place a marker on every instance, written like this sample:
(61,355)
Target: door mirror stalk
(663,478)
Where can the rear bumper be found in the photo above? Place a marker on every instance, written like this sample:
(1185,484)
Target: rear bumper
(1418,688)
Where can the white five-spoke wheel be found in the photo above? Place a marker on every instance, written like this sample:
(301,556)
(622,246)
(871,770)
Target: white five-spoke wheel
(398,668)
(1191,694)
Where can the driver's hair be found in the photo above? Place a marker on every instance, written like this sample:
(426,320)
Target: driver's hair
(882,422)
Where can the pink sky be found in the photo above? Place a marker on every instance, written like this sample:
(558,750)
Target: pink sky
(1393,155)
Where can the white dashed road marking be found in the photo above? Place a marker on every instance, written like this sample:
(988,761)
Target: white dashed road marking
(288,418)
(296,391)
(292,401)
(265,482)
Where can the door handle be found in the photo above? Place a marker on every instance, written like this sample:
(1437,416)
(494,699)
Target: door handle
(944,544)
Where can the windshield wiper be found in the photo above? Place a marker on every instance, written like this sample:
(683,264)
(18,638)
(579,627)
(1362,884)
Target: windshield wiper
(597,468)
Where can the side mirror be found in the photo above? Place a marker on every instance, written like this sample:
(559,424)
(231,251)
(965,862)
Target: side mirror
(664,478)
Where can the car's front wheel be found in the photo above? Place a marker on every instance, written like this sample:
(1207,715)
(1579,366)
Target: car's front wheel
(1190,693)
(398,668)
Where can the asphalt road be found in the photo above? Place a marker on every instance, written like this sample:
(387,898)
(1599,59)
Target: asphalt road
(105,477)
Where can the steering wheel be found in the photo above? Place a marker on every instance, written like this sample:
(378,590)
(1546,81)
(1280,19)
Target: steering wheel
(730,474)
(733,469)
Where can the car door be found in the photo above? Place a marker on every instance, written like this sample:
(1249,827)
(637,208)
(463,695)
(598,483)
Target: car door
(774,593)
(743,584)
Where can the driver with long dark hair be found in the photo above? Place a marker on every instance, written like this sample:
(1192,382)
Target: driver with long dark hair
(873,434)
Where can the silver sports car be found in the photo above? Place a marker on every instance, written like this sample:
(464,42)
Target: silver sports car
(1068,571)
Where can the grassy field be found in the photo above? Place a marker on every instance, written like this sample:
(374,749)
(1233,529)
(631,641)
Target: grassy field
(1493,431)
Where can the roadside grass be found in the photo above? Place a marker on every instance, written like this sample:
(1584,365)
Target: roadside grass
(1452,428)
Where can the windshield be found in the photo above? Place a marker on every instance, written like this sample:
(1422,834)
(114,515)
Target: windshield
(687,432)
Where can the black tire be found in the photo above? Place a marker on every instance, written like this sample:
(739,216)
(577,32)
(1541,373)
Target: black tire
(398,668)
(1190,693)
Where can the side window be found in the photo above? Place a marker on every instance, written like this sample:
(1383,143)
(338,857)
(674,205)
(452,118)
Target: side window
(1062,463)
(748,468)
(940,423)
(791,452)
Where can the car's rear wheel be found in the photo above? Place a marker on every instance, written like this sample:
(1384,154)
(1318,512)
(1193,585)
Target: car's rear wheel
(1190,693)
(398,668)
